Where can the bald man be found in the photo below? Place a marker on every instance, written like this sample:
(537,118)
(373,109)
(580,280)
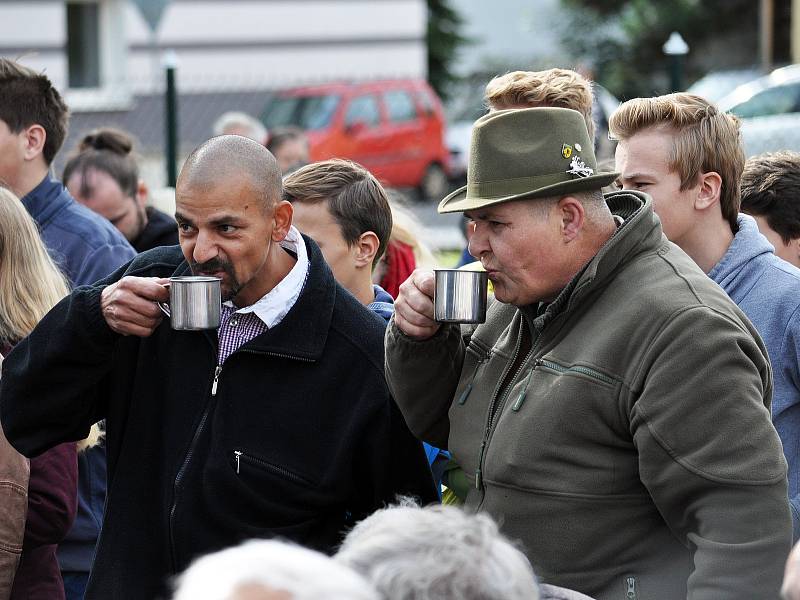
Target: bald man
(279,423)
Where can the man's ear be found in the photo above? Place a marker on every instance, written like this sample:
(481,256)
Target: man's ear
(366,247)
(282,217)
(141,193)
(34,138)
(572,216)
(709,190)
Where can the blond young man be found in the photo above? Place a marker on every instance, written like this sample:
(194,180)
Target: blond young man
(558,88)
(771,195)
(688,156)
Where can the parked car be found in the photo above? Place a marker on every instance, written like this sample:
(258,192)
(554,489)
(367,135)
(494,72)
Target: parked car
(769,109)
(715,85)
(393,128)
(459,129)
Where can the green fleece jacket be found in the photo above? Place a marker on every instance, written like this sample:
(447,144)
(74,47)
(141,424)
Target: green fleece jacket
(632,452)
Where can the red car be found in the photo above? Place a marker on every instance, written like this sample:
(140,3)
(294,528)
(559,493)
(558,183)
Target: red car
(394,128)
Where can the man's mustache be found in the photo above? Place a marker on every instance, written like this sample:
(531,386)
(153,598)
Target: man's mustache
(212,266)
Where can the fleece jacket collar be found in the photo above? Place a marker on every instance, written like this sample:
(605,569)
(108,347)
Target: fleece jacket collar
(640,231)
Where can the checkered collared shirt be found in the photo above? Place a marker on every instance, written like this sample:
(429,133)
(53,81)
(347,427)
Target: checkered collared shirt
(237,326)
(236,329)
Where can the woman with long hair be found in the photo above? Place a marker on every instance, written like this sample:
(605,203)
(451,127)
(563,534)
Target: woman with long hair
(30,285)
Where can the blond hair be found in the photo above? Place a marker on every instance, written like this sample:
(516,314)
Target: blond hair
(703,140)
(559,88)
(30,283)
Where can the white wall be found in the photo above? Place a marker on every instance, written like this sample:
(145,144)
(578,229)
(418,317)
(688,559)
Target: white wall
(236,44)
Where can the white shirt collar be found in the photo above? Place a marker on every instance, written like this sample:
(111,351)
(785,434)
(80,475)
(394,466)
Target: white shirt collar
(273,306)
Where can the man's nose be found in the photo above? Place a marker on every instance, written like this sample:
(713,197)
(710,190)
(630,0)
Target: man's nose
(204,248)
(477,242)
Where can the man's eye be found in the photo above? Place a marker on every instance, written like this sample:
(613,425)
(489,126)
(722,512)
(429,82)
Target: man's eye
(227,228)
(185,228)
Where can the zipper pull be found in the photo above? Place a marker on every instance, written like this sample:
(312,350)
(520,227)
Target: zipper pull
(520,400)
(217,371)
(631,588)
(465,394)
(238,454)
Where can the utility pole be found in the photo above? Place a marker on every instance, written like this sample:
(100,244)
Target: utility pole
(795,31)
(767,26)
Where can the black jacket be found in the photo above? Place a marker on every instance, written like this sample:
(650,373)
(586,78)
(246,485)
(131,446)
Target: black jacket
(300,440)
(161,230)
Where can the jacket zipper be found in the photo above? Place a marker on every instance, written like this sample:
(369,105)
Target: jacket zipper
(497,402)
(582,370)
(195,439)
(182,471)
(239,456)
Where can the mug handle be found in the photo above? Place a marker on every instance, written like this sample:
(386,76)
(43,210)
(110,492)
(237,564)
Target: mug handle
(163,305)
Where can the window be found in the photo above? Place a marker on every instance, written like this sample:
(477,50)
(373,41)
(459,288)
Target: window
(306,112)
(426,102)
(400,106)
(96,54)
(771,101)
(83,44)
(362,109)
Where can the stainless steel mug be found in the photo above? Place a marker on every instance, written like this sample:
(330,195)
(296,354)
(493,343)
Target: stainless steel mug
(460,296)
(194,302)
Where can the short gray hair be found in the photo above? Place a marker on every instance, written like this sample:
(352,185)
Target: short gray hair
(413,553)
(250,127)
(275,566)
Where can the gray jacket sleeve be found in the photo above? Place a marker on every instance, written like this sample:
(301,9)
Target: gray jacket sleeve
(710,456)
(423,376)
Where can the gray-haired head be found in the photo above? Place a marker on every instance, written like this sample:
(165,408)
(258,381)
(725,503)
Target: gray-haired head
(240,123)
(231,158)
(267,570)
(413,553)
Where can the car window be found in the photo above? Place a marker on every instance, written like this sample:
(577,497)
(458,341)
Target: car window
(772,101)
(306,112)
(426,102)
(363,109)
(400,106)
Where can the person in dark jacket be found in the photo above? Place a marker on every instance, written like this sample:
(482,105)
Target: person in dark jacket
(103,175)
(86,247)
(278,424)
(30,285)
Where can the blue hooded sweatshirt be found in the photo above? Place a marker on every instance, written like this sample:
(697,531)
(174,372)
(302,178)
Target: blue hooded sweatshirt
(86,247)
(767,289)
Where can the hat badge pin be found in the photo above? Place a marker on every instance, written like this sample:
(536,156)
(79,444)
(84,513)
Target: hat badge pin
(566,150)
(578,167)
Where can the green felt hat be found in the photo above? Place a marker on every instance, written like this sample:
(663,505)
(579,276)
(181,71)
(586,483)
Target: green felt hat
(527,153)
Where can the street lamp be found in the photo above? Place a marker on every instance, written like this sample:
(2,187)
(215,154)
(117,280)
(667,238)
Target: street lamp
(676,48)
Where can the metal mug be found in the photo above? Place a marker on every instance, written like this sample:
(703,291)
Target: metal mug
(194,302)
(460,296)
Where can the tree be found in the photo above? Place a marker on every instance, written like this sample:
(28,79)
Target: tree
(444,39)
(624,38)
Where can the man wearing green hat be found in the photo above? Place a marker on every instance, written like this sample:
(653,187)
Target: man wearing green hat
(612,413)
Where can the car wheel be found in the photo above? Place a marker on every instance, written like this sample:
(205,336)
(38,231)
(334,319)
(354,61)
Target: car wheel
(434,184)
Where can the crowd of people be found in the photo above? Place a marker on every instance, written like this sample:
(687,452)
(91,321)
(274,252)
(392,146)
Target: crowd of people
(624,424)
